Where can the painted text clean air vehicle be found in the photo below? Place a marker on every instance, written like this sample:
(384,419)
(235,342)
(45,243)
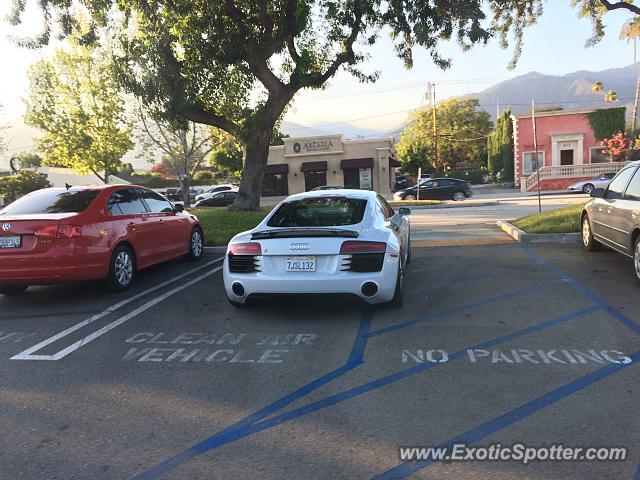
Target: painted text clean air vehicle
(325,242)
(106,232)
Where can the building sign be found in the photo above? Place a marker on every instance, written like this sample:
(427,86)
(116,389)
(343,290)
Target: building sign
(313,145)
(365,179)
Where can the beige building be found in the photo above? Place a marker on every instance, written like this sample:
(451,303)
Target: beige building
(302,164)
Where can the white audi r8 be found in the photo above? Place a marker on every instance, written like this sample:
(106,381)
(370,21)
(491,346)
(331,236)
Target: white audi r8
(323,242)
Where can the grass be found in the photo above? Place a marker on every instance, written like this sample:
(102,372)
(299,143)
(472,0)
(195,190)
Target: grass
(561,220)
(220,225)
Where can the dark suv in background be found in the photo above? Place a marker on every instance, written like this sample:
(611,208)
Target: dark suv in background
(436,189)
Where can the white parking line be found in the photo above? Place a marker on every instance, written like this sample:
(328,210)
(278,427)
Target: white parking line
(27,354)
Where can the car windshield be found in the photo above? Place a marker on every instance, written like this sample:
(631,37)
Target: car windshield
(52,201)
(319,212)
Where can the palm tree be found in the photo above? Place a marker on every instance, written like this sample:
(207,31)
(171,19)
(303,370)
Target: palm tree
(630,32)
(611,96)
(596,88)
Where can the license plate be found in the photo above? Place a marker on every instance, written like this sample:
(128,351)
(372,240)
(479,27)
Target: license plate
(11,242)
(301,264)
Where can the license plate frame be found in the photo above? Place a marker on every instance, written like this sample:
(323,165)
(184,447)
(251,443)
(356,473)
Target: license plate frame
(9,242)
(293,263)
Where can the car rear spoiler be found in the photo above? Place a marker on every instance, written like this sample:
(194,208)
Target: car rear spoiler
(304,232)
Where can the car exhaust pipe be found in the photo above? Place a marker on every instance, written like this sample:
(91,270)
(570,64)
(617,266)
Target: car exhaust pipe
(369,289)
(237,289)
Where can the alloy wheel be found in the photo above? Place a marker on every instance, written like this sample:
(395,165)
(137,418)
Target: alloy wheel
(458,196)
(123,268)
(586,231)
(636,259)
(196,243)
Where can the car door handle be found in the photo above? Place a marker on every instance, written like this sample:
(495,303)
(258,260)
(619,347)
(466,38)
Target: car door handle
(132,226)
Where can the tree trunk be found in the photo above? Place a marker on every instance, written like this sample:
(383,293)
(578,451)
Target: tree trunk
(257,154)
(635,106)
(186,187)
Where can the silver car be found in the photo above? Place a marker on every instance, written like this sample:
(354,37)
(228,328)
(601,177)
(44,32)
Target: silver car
(585,186)
(612,217)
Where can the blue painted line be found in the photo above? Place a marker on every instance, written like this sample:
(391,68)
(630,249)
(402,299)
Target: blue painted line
(467,280)
(637,476)
(462,308)
(405,470)
(360,344)
(584,291)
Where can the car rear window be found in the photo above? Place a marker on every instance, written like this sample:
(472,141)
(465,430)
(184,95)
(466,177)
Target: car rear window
(52,201)
(319,212)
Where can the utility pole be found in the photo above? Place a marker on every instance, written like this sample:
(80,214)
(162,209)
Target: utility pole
(432,94)
(535,146)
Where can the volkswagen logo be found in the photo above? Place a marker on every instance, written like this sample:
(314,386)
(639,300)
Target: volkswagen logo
(298,246)
(6,227)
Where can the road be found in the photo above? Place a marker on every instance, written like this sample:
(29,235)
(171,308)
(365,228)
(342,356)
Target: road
(495,343)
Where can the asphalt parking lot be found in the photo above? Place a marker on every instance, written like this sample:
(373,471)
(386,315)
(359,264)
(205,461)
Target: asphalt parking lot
(495,343)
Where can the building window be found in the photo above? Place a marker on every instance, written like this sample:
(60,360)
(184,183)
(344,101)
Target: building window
(314,179)
(529,161)
(596,155)
(275,185)
(352,178)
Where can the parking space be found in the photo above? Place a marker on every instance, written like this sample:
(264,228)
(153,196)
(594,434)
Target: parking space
(495,343)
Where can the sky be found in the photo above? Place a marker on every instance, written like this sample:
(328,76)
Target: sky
(555,45)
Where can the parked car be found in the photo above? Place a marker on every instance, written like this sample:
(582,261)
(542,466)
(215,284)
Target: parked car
(218,199)
(207,193)
(108,232)
(345,242)
(599,181)
(173,194)
(436,189)
(612,217)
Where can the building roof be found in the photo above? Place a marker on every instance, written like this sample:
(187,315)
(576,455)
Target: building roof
(563,112)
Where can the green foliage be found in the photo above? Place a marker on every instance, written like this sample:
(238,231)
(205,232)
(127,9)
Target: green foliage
(561,220)
(227,157)
(607,121)
(220,225)
(237,64)
(15,186)
(74,100)
(462,131)
(500,147)
(474,177)
(203,176)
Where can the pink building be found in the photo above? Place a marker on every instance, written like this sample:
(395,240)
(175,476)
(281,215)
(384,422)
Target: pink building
(567,149)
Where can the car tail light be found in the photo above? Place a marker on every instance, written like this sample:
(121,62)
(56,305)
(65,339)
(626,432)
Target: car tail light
(58,231)
(354,246)
(251,248)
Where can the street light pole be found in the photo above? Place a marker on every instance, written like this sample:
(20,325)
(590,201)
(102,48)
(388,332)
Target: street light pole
(535,147)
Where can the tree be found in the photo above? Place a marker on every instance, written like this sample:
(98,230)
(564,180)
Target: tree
(184,147)
(500,147)
(596,88)
(21,183)
(617,147)
(611,96)
(630,32)
(74,99)
(237,64)
(463,127)
(3,140)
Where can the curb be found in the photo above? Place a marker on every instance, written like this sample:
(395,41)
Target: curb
(524,237)
(445,205)
(216,249)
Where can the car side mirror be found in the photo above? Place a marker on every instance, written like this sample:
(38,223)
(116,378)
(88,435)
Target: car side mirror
(404,211)
(597,193)
(179,208)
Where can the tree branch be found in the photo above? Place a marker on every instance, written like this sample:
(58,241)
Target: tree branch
(199,115)
(150,135)
(624,5)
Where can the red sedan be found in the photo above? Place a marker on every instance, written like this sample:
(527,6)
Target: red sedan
(107,232)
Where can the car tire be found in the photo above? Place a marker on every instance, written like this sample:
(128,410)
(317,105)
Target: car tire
(408,260)
(458,196)
(122,269)
(13,290)
(236,304)
(589,243)
(588,188)
(397,300)
(410,198)
(196,245)
(636,259)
